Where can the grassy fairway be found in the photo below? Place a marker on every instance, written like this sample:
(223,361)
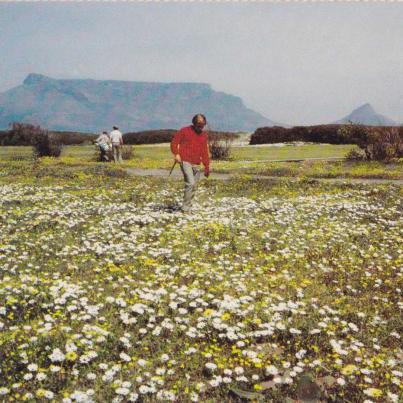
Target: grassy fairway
(162,152)
(106,294)
(290,152)
(244,160)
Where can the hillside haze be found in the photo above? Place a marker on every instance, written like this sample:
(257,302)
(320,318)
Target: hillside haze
(93,105)
(366,115)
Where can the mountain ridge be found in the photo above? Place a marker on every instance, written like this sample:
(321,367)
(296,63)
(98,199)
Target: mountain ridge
(93,105)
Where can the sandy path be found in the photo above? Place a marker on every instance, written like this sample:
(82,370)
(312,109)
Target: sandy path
(177,174)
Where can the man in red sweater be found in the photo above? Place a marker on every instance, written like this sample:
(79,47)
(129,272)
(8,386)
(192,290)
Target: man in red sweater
(190,147)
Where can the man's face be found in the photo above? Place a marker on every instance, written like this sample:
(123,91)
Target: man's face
(199,125)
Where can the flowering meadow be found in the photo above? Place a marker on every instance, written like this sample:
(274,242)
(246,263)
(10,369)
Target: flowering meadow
(268,291)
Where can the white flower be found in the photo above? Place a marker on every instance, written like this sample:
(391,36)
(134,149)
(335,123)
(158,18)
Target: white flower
(166,395)
(300,353)
(393,397)
(133,397)
(41,376)
(32,367)
(81,397)
(271,370)
(160,371)
(142,363)
(353,327)
(239,370)
(143,389)
(122,391)
(214,383)
(49,394)
(295,331)
(57,355)
(211,366)
(194,397)
(341,381)
(164,357)
(70,347)
(125,357)
(4,391)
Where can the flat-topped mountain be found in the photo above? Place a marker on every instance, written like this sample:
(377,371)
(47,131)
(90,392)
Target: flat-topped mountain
(92,105)
(366,115)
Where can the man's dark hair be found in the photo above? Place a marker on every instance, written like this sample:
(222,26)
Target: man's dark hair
(194,119)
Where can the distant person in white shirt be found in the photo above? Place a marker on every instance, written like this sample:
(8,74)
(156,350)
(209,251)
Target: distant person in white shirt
(117,142)
(104,143)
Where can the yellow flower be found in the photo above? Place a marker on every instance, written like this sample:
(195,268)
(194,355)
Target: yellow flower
(348,369)
(71,356)
(225,316)
(40,393)
(373,392)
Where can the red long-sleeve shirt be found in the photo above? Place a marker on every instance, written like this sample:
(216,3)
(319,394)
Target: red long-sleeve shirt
(192,147)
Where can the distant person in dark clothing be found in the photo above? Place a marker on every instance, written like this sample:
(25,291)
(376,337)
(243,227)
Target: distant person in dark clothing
(190,148)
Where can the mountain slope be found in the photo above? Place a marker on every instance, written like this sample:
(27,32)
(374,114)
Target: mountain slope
(366,115)
(93,105)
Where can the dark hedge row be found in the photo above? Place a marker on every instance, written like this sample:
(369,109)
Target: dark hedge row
(331,134)
(149,137)
(15,137)
(22,138)
(165,136)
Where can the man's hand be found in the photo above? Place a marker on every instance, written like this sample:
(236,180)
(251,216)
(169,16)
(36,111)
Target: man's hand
(178,158)
(206,173)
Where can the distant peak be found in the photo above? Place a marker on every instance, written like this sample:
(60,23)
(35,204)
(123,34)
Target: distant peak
(365,108)
(34,78)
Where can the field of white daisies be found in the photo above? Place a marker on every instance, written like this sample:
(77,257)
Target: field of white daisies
(269,291)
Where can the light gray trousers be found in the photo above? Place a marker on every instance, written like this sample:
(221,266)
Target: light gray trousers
(191,174)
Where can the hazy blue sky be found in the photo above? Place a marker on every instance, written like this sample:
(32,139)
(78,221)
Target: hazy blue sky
(295,63)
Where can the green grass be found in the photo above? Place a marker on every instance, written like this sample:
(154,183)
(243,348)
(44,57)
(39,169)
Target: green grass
(162,152)
(244,160)
(290,152)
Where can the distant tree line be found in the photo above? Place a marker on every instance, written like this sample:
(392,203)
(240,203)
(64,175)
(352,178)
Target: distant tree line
(166,135)
(330,134)
(377,142)
(20,134)
(149,136)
